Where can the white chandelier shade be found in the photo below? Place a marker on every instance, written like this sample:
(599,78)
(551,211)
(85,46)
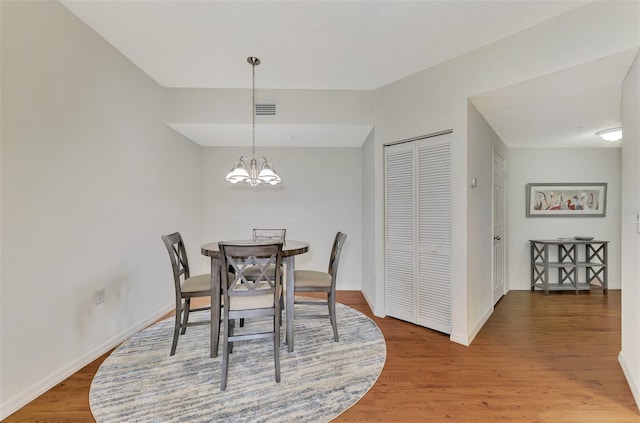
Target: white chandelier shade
(251,171)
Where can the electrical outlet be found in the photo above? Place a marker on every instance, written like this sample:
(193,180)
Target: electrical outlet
(100,296)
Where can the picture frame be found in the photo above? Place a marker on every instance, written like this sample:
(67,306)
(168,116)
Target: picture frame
(566,199)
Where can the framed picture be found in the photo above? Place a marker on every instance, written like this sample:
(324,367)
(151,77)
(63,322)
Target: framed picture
(566,199)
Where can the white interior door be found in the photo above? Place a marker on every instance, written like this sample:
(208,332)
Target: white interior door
(434,233)
(400,295)
(418,232)
(499,250)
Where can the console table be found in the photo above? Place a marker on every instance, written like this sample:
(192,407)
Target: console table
(579,262)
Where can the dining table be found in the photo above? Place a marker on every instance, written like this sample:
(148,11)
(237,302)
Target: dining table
(290,249)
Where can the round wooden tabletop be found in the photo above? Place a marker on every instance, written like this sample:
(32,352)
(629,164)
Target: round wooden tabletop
(289,248)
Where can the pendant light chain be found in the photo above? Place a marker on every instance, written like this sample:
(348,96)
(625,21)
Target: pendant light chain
(253,109)
(253,172)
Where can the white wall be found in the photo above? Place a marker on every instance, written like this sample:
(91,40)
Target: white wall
(91,178)
(229,106)
(630,229)
(311,118)
(368,222)
(436,99)
(321,194)
(482,141)
(561,165)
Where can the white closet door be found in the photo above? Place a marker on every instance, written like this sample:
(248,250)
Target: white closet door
(434,233)
(400,287)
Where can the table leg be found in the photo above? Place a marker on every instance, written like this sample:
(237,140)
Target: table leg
(289,263)
(605,285)
(532,260)
(545,281)
(215,305)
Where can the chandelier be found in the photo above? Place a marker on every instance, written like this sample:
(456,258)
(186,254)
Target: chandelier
(253,172)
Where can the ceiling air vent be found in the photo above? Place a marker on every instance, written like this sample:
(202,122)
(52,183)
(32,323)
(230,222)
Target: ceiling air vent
(265,109)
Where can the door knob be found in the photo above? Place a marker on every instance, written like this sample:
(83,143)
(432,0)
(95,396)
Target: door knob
(497,238)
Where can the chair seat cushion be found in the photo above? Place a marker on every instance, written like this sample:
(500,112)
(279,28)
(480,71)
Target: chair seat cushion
(312,278)
(254,301)
(197,283)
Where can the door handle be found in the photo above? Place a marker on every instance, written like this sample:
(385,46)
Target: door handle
(496,238)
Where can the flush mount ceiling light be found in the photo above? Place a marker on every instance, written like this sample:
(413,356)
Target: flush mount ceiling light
(253,172)
(611,135)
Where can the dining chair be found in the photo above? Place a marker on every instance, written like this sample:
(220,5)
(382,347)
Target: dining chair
(316,281)
(186,287)
(269,234)
(255,297)
(260,235)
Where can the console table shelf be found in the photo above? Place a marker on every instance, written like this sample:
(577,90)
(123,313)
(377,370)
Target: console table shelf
(579,263)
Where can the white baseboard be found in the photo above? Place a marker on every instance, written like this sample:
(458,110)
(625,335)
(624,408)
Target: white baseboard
(480,324)
(18,401)
(634,384)
(467,339)
(349,287)
(370,304)
(459,338)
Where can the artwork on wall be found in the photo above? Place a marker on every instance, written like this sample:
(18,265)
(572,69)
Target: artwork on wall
(566,199)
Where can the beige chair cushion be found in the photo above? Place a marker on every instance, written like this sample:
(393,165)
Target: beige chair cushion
(254,301)
(197,283)
(312,278)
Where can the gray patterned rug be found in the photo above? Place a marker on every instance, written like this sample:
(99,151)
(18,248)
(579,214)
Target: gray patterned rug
(140,382)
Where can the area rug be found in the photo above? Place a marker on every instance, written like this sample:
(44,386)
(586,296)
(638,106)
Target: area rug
(140,382)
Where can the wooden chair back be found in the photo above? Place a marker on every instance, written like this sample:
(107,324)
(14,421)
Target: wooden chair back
(179,261)
(269,234)
(334,258)
(257,257)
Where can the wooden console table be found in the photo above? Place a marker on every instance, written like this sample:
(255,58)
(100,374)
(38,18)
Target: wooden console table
(579,263)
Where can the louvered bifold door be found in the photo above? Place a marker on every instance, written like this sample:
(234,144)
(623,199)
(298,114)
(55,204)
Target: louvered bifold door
(434,233)
(400,296)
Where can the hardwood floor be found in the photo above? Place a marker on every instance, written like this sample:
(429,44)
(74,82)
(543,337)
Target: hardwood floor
(537,359)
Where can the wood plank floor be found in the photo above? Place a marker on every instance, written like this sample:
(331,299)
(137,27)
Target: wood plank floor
(537,359)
